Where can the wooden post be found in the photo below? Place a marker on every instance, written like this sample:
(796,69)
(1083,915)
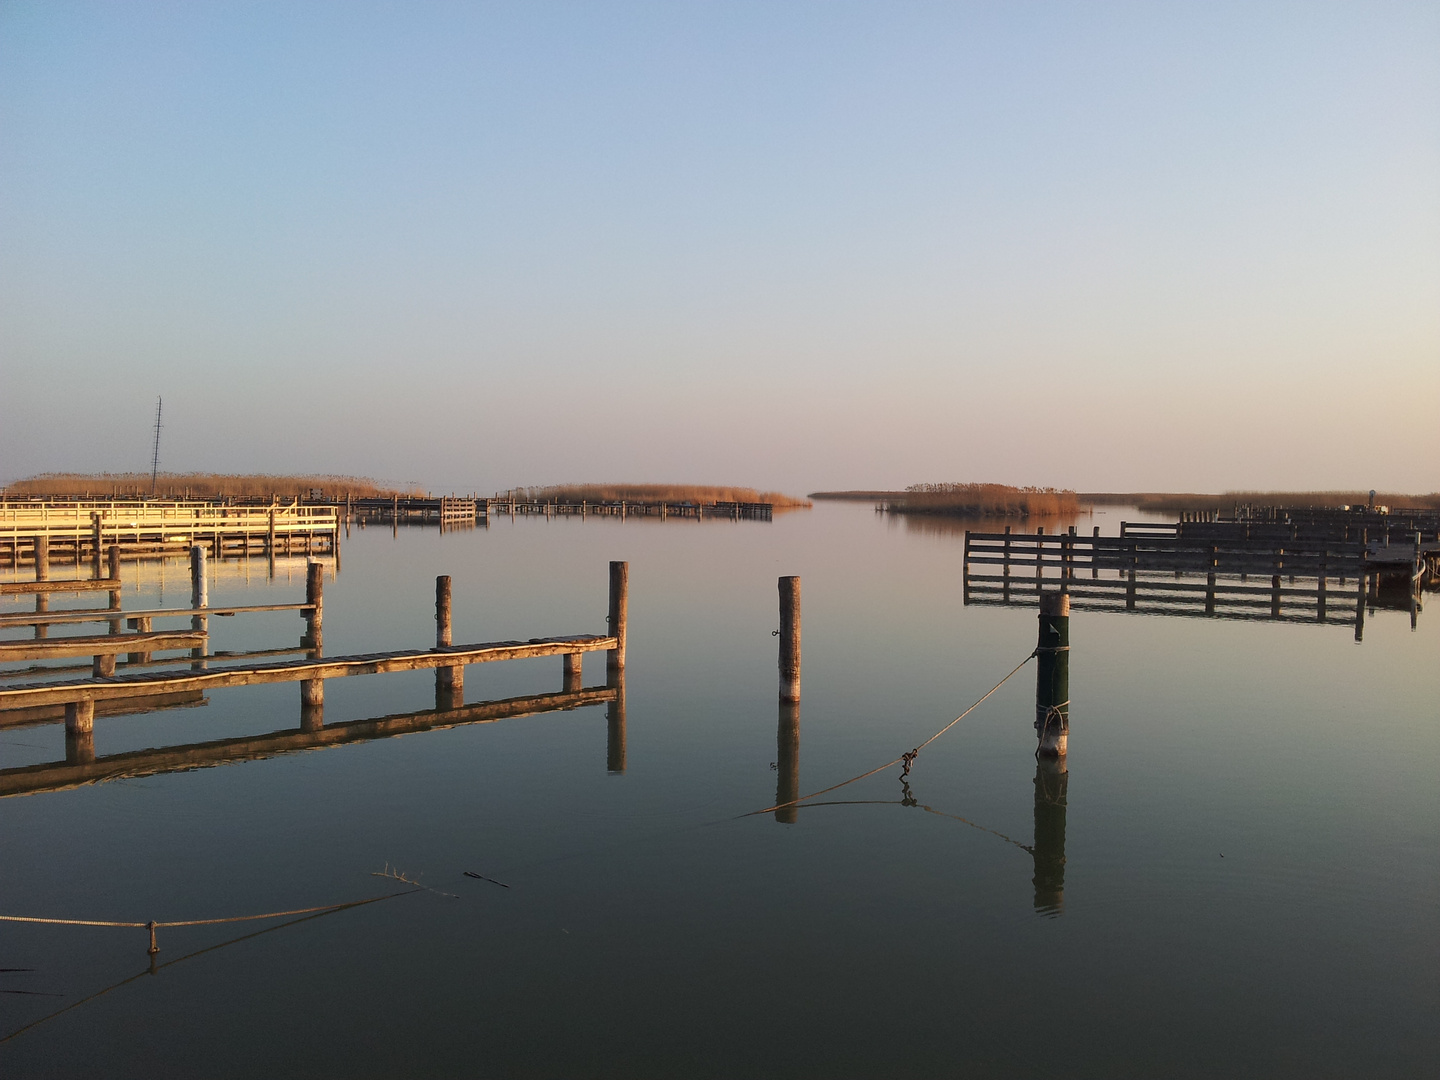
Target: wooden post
(1052,675)
(97,526)
(115,594)
(1320,585)
(142,625)
(42,573)
(572,672)
(449,681)
(790,639)
(199,599)
(1214,561)
(615,726)
(1275,584)
(787,762)
(1039,555)
(314,638)
(1048,852)
(619,612)
(79,732)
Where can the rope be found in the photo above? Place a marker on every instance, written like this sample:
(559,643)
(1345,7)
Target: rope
(194,922)
(908,758)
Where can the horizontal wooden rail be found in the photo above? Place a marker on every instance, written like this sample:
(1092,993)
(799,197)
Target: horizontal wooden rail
(101,645)
(50,618)
(296,670)
(31,588)
(51,714)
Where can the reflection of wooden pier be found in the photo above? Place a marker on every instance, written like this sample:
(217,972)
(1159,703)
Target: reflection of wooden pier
(81,767)
(1206,569)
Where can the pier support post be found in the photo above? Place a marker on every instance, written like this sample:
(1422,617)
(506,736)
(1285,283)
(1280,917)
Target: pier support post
(79,732)
(1052,676)
(572,672)
(199,598)
(314,638)
(790,639)
(449,681)
(787,762)
(615,726)
(98,529)
(619,613)
(42,573)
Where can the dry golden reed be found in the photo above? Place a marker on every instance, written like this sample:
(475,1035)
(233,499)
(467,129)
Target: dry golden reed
(986,500)
(204,486)
(673,493)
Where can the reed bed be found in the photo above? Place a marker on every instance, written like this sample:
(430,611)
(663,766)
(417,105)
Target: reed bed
(986,500)
(673,493)
(204,486)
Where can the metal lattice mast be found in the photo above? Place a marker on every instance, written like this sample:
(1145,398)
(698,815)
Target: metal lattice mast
(155,457)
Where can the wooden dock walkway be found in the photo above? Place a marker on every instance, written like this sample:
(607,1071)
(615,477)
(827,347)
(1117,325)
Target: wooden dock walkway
(77,529)
(450,512)
(1144,570)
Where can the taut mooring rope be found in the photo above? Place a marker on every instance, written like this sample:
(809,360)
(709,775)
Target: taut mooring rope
(907,758)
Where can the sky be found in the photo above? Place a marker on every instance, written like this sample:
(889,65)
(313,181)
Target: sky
(1158,246)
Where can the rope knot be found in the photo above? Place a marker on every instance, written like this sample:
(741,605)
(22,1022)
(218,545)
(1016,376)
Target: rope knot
(909,760)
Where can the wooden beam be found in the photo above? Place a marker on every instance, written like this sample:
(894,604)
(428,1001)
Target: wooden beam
(96,644)
(295,670)
(25,588)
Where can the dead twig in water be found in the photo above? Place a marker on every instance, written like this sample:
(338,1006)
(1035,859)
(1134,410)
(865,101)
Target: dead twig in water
(399,875)
(482,877)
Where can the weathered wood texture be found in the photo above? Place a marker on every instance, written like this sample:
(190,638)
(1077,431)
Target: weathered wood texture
(95,644)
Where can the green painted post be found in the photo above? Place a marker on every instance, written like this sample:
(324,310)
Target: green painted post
(1052,675)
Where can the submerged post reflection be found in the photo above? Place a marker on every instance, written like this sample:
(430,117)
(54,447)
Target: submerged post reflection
(787,763)
(1051,781)
(615,723)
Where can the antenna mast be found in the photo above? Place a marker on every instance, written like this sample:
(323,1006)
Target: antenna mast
(155,457)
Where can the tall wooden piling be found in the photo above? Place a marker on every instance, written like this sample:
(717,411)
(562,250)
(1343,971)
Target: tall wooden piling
(116,624)
(449,681)
(1052,675)
(312,691)
(790,639)
(619,613)
(572,672)
(42,573)
(199,598)
(787,763)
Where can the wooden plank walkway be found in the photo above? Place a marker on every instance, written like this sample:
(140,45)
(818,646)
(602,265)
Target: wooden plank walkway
(75,771)
(60,693)
(100,644)
(51,618)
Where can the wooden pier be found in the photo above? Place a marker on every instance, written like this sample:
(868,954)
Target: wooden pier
(1176,570)
(77,529)
(78,697)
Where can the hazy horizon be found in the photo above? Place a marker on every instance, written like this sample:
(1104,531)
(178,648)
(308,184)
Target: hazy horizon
(1110,247)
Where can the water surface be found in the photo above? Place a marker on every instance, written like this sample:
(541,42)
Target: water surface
(1242,879)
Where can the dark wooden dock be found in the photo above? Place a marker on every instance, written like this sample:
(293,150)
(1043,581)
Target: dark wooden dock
(1209,569)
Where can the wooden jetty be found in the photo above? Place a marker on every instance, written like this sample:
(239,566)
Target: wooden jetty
(1176,570)
(76,529)
(79,697)
(81,768)
(451,512)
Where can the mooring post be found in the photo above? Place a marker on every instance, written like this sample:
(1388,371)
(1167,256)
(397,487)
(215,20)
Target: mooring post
(80,732)
(572,672)
(619,611)
(790,639)
(449,681)
(115,595)
(199,599)
(42,573)
(1052,675)
(97,527)
(787,763)
(314,638)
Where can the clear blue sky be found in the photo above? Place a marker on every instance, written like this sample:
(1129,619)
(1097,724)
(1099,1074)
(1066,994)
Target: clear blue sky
(1180,246)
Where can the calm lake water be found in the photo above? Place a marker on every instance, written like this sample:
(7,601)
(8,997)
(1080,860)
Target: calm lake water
(1248,883)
